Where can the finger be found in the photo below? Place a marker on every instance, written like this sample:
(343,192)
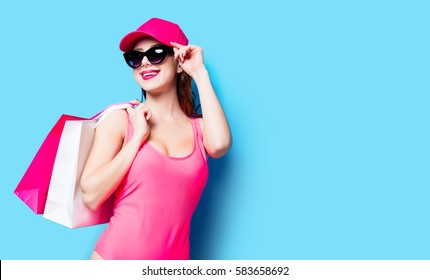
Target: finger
(148,114)
(176,55)
(178,49)
(179,55)
(135,102)
(144,110)
(142,106)
(186,51)
(183,54)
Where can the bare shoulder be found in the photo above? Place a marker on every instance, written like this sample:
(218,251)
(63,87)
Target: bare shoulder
(114,124)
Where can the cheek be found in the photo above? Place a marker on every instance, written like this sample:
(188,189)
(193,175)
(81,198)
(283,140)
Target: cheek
(137,77)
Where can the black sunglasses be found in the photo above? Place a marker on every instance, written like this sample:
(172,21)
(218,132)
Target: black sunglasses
(155,55)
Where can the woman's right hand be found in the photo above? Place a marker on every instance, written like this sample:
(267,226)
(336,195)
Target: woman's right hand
(139,117)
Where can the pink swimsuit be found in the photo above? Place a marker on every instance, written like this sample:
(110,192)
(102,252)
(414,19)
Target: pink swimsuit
(154,204)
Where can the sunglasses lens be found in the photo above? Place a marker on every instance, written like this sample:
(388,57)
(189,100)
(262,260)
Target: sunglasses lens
(156,55)
(133,59)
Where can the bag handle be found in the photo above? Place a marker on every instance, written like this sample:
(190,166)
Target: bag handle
(101,115)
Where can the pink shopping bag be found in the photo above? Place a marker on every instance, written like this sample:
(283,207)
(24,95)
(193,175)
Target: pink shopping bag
(33,186)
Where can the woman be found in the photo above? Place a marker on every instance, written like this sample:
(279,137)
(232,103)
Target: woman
(153,156)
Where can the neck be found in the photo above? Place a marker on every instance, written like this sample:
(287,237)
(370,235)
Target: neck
(164,106)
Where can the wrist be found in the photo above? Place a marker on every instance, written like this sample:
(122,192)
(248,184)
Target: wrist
(138,139)
(200,73)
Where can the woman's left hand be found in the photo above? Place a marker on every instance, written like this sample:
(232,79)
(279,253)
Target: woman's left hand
(190,58)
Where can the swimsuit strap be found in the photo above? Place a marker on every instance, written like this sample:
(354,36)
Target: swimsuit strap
(199,139)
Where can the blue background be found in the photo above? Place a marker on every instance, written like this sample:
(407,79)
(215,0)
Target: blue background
(328,103)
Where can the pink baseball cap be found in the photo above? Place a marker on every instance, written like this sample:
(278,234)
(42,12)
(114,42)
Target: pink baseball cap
(161,30)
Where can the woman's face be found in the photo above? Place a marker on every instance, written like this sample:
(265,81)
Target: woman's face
(155,78)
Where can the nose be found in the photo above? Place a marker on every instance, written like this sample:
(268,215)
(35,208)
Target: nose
(145,61)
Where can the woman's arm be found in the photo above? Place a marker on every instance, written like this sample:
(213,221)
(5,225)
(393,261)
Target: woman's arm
(216,131)
(109,159)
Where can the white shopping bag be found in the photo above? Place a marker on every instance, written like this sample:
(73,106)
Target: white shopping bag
(64,202)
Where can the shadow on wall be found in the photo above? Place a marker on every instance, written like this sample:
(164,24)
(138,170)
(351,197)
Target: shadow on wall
(205,223)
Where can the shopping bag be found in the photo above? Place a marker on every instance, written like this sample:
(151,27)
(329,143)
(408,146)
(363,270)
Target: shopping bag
(33,186)
(64,201)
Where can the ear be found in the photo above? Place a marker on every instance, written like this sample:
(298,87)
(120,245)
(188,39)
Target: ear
(179,68)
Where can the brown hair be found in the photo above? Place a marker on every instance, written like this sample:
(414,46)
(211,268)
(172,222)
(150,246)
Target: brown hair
(186,96)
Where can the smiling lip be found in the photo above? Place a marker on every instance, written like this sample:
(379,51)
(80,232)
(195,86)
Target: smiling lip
(149,74)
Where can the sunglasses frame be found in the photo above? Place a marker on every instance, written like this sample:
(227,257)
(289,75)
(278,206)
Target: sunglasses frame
(149,53)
